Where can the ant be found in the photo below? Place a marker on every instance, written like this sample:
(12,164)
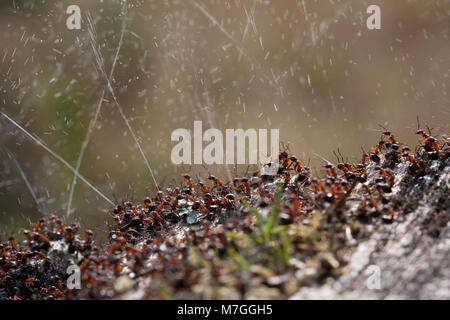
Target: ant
(430,143)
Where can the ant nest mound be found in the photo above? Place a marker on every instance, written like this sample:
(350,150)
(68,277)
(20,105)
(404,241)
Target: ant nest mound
(374,229)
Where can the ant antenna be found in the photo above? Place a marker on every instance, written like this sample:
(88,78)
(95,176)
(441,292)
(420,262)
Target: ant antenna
(206,169)
(184,169)
(342,157)
(246,172)
(337,157)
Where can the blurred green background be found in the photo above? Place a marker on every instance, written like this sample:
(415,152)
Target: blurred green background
(310,68)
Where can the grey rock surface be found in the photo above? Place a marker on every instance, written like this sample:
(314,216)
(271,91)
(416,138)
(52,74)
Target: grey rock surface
(408,259)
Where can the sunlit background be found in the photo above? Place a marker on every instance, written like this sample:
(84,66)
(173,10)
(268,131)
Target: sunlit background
(309,68)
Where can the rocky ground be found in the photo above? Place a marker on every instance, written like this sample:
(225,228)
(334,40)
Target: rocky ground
(375,229)
(412,254)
